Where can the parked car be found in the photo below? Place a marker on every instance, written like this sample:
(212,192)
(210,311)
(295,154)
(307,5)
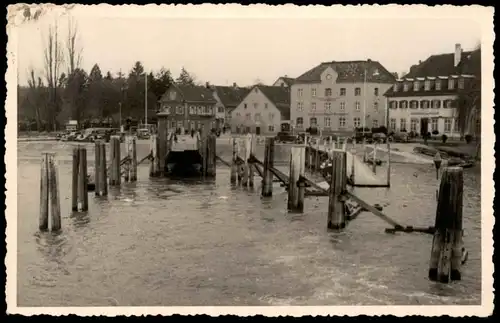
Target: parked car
(285,137)
(400,137)
(70,136)
(379,137)
(143,134)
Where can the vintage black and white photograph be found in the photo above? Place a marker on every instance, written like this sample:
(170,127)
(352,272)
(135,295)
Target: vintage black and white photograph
(229,159)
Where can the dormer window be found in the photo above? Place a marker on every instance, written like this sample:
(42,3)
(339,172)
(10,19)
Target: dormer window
(451,84)
(438,85)
(395,87)
(416,86)
(406,86)
(427,85)
(461,83)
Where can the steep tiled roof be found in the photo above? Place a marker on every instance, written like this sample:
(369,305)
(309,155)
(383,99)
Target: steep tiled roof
(279,96)
(438,65)
(349,72)
(193,93)
(231,96)
(288,80)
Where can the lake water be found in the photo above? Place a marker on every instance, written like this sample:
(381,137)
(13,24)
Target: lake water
(158,242)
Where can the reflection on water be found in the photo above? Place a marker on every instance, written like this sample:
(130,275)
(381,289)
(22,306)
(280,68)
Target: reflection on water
(205,242)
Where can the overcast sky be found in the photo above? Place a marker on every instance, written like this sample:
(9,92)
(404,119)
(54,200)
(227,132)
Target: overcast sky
(237,44)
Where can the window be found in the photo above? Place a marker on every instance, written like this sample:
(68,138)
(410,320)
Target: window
(357,105)
(313,106)
(328,92)
(424,104)
(461,83)
(393,104)
(393,124)
(434,124)
(413,104)
(395,87)
(328,107)
(245,105)
(447,125)
(300,106)
(300,92)
(375,123)
(265,106)
(357,122)
(357,91)
(375,106)
(406,86)
(451,84)
(257,117)
(248,116)
(220,109)
(438,85)
(300,122)
(402,124)
(193,110)
(342,91)
(238,114)
(342,106)
(427,85)
(173,124)
(448,104)
(270,128)
(414,124)
(455,124)
(255,105)
(375,91)
(313,121)
(341,122)
(313,92)
(435,104)
(416,86)
(327,122)
(403,104)
(180,110)
(271,116)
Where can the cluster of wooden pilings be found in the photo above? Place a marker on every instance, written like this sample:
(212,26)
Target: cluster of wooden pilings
(447,254)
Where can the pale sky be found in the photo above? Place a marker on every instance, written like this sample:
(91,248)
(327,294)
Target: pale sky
(238,44)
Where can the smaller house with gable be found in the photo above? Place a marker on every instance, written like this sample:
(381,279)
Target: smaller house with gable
(284,81)
(228,98)
(189,107)
(262,110)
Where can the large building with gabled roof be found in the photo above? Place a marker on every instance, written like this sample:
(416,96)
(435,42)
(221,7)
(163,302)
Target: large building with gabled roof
(262,110)
(337,97)
(428,92)
(228,98)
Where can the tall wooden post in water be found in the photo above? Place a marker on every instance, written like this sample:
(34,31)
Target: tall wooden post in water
(234,156)
(210,155)
(79,196)
(251,166)
(49,194)
(115,156)
(154,169)
(267,176)
(297,168)
(446,252)
(101,180)
(44,194)
(336,205)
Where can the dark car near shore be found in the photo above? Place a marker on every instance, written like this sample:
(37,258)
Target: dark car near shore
(285,137)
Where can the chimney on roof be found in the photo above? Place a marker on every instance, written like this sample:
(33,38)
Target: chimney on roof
(458,55)
(207,84)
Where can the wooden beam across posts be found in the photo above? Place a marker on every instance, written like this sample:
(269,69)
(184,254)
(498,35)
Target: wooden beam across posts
(372,209)
(234,158)
(267,176)
(447,244)
(336,202)
(295,191)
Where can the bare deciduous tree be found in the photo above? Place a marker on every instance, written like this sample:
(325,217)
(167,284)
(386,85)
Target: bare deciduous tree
(74,53)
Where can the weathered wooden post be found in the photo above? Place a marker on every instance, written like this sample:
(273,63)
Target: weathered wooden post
(97,167)
(82,204)
(240,167)
(251,166)
(133,157)
(374,165)
(55,206)
(115,171)
(267,178)
(101,176)
(74,174)
(388,163)
(210,155)
(128,153)
(336,203)
(296,192)
(437,164)
(248,145)
(43,220)
(317,155)
(446,252)
(234,166)
(154,168)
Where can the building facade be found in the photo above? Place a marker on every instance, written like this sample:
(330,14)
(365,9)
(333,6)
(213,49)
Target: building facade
(187,107)
(428,93)
(335,97)
(284,81)
(228,98)
(262,110)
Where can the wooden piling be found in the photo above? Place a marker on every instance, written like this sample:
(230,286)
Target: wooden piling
(82,198)
(115,171)
(248,144)
(317,156)
(388,163)
(74,174)
(446,252)
(154,169)
(267,179)
(43,220)
(55,206)
(251,166)
(374,165)
(102,174)
(210,155)
(133,159)
(234,166)
(336,203)
(126,173)
(97,167)
(297,168)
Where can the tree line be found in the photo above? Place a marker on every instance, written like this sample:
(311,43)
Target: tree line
(54,96)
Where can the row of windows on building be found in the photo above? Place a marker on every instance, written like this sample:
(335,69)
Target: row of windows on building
(257,116)
(415,124)
(328,106)
(342,92)
(327,122)
(248,129)
(423,104)
(193,110)
(191,125)
(255,105)
(429,85)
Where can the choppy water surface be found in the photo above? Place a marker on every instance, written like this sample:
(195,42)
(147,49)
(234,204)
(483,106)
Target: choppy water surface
(161,242)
